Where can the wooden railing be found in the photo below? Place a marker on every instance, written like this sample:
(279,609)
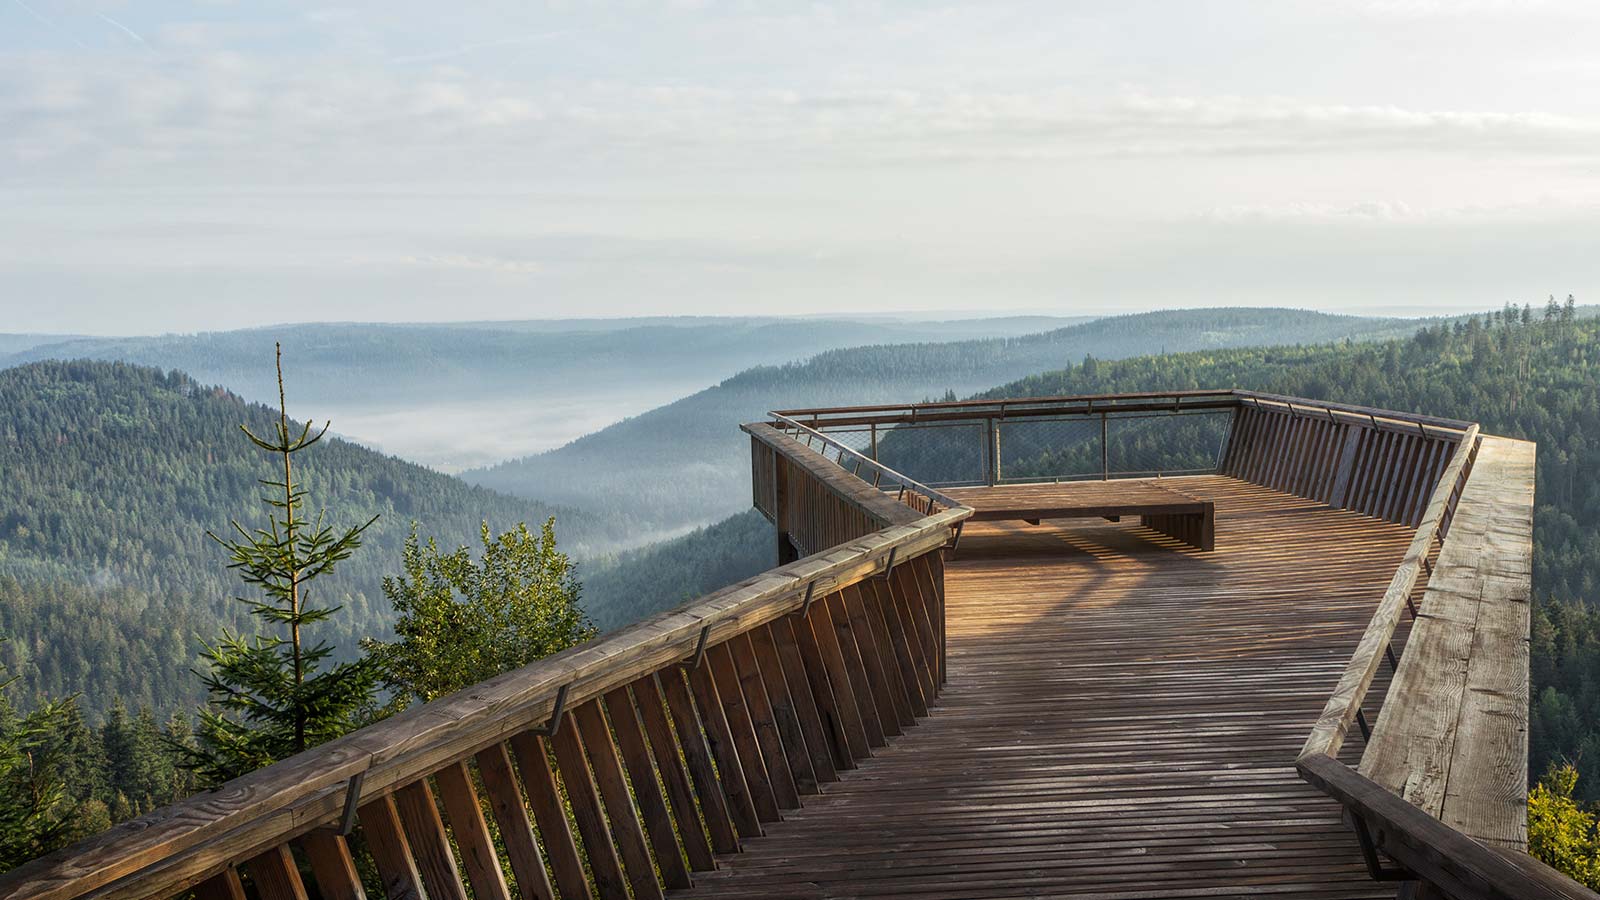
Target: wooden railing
(618,767)
(1383,464)
(1402,467)
(621,767)
(1427,851)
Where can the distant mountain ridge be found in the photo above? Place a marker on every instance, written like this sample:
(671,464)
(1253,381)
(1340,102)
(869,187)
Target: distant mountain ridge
(681,465)
(465,394)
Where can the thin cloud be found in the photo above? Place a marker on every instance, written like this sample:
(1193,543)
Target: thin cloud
(465,49)
(49,24)
(125,30)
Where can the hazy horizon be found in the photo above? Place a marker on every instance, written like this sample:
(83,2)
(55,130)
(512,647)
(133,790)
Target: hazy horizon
(932,315)
(185,165)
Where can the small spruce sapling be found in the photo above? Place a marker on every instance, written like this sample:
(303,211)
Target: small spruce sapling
(273,695)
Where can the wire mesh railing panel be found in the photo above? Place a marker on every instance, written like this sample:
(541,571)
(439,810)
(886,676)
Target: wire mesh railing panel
(1047,449)
(943,453)
(1038,448)
(1181,444)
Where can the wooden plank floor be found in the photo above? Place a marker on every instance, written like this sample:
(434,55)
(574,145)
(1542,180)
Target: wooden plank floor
(1121,720)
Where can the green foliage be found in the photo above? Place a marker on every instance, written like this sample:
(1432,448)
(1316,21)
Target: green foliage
(629,586)
(111,472)
(1560,832)
(35,812)
(462,621)
(274,695)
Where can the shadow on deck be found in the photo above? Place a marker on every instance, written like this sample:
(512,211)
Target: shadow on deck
(1121,720)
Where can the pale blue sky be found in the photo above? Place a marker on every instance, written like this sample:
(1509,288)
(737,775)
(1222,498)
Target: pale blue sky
(174,166)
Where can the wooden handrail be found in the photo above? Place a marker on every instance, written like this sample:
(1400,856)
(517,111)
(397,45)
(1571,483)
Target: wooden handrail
(1430,849)
(765,432)
(1424,846)
(1022,401)
(173,848)
(1327,736)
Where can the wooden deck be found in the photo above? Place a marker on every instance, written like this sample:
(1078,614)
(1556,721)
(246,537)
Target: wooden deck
(1121,720)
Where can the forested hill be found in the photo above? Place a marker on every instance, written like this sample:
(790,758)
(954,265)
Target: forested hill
(112,474)
(683,465)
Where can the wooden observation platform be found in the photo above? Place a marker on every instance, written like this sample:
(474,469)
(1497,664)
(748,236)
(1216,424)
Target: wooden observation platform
(933,697)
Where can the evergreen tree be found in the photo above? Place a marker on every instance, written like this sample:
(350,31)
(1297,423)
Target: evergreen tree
(274,695)
(35,811)
(461,622)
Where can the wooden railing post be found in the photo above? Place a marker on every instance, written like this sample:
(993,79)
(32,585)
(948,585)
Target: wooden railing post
(992,475)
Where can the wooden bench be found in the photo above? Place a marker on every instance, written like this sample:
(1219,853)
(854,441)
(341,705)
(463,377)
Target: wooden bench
(1157,506)
(1452,738)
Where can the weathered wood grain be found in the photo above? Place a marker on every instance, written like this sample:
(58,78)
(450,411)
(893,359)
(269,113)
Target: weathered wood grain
(1452,738)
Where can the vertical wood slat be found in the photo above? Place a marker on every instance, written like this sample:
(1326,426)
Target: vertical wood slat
(391,852)
(786,714)
(1251,442)
(471,833)
(648,792)
(430,845)
(917,605)
(686,810)
(758,703)
(506,804)
(698,756)
(626,830)
(1361,485)
(550,812)
(719,736)
(882,606)
(826,641)
(276,876)
(856,671)
(1404,478)
(332,866)
(1396,477)
(803,669)
(719,666)
(891,715)
(902,604)
(605,867)
(1380,472)
(1233,446)
(932,587)
(224,885)
(860,604)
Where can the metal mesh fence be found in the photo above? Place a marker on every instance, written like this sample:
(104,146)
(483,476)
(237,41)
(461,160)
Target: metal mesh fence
(1056,448)
(1183,444)
(1049,448)
(941,453)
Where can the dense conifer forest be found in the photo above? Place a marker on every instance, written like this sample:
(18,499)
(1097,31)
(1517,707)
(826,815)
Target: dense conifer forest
(113,474)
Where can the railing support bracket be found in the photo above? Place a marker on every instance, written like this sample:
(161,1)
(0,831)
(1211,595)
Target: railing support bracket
(1361,720)
(888,568)
(549,731)
(805,607)
(1369,853)
(352,797)
(699,650)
